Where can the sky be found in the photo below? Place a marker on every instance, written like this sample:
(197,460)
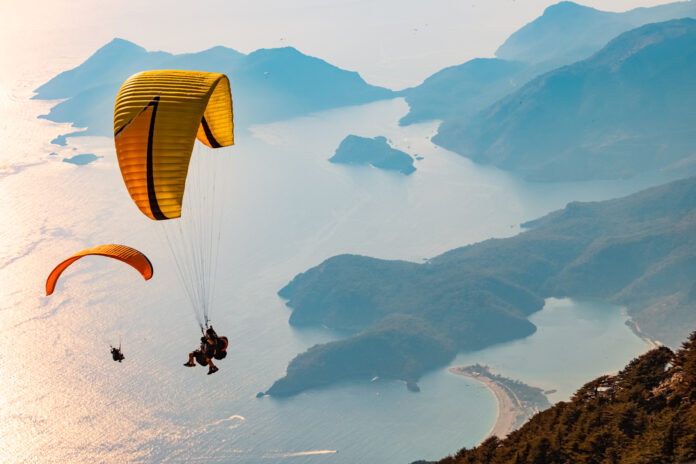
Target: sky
(394,43)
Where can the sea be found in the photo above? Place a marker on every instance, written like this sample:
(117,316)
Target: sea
(62,398)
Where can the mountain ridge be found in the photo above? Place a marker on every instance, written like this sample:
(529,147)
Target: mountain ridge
(564,34)
(267,84)
(376,152)
(567,32)
(602,118)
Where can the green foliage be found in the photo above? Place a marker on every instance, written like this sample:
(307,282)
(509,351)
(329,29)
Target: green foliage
(646,414)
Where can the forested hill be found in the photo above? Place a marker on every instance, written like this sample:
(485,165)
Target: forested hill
(624,111)
(646,414)
(638,251)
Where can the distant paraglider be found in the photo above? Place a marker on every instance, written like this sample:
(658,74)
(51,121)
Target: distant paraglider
(116,354)
(128,255)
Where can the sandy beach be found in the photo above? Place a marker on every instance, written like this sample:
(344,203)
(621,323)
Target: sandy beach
(511,412)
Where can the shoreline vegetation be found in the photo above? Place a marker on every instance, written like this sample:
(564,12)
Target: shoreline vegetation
(517,401)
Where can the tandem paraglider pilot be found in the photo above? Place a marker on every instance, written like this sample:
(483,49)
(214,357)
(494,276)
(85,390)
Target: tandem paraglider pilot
(212,347)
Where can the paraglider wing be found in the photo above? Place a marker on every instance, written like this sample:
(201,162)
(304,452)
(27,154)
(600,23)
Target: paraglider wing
(123,253)
(157,118)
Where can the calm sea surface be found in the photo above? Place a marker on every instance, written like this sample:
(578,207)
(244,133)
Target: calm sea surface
(63,400)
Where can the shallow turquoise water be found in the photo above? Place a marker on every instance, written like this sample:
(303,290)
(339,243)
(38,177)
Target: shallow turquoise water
(575,342)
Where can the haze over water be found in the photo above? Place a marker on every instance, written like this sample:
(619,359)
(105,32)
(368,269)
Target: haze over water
(63,400)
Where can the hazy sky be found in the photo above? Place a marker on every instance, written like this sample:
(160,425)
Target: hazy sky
(395,43)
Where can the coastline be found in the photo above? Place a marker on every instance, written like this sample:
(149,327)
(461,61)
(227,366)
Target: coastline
(512,412)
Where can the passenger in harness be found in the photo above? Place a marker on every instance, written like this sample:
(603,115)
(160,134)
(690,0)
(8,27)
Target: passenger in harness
(211,347)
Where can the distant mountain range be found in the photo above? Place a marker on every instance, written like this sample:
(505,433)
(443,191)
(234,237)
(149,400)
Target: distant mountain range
(565,33)
(267,85)
(623,111)
(627,110)
(638,251)
(568,32)
(539,110)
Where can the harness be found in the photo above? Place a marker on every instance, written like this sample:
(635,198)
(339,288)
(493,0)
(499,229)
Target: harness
(221,352)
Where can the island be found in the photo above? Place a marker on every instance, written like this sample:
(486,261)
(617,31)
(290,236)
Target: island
(82,159)
(60,140)
(403,319)
(375,152)
(517,401)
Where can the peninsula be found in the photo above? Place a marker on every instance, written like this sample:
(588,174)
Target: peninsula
(517,402)
(404,319)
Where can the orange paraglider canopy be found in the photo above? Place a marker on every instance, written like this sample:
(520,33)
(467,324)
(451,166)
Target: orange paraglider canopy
(123,253)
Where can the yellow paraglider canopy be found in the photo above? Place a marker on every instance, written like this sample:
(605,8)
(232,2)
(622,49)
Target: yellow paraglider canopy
(123,253)
(157,118)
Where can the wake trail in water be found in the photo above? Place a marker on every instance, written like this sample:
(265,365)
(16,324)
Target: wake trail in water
(309,453)
(236,420)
